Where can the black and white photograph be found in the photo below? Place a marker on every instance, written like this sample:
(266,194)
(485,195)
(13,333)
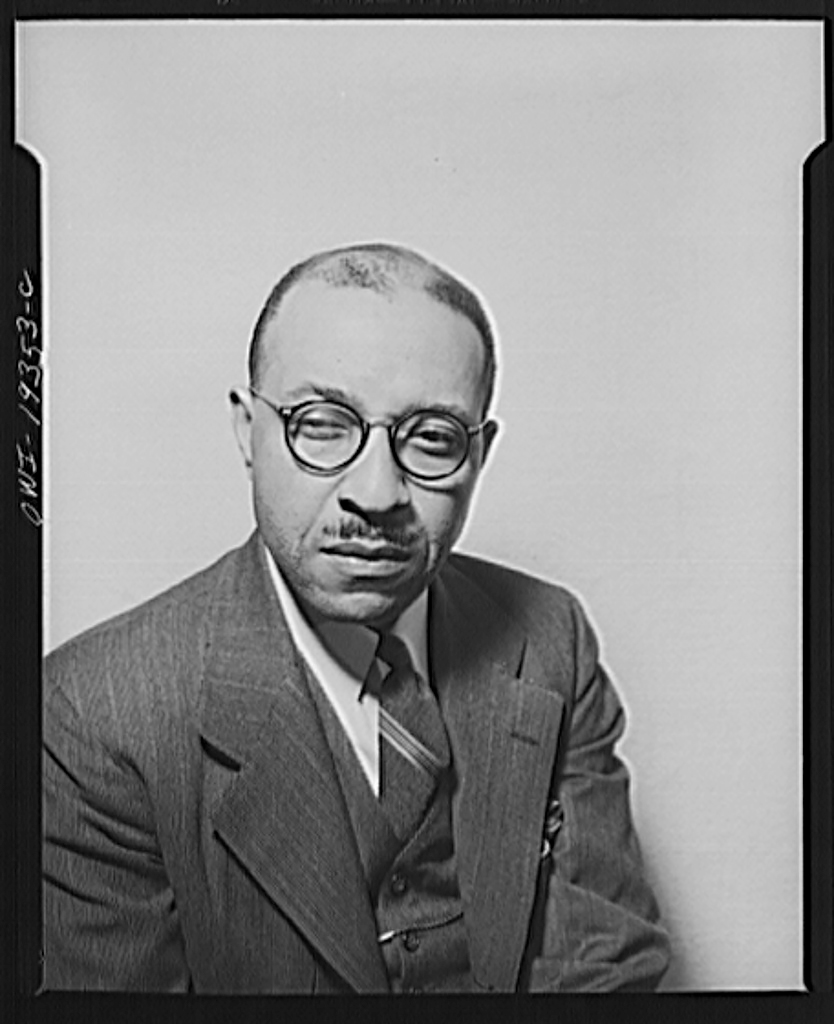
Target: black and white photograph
(422,521)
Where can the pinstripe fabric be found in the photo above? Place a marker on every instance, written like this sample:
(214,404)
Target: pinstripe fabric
(414,747)
(429,904)
(196,836)
(406,744)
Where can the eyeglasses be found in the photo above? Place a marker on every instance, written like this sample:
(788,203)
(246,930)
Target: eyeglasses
(326,437)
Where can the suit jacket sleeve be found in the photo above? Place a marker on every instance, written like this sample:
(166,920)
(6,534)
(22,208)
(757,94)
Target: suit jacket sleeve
(109,915)
(598,924)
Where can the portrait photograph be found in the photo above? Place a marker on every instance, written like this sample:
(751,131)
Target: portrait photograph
(548,303)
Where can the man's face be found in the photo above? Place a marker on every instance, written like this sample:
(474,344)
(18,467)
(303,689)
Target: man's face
(360,545)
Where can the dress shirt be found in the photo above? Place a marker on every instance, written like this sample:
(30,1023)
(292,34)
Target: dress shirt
(339,655)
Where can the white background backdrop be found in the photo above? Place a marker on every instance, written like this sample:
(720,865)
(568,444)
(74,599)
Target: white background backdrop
(627,197)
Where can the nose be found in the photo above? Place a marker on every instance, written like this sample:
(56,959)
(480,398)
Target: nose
(374,483)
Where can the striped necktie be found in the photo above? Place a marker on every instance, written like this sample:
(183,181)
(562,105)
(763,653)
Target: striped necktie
(414,747)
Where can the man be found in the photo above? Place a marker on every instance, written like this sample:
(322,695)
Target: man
(343,759)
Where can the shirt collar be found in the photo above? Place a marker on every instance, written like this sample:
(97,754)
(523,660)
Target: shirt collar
(346,646)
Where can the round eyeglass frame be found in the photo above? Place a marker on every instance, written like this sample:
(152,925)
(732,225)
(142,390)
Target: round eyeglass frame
(287,412)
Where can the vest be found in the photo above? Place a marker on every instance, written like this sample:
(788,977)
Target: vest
(413,887)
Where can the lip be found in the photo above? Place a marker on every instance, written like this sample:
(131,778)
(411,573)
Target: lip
(368,552)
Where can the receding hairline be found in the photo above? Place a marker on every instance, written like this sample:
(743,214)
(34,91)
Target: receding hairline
(385,269)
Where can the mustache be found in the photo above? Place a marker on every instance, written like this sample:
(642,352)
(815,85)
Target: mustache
(397,536)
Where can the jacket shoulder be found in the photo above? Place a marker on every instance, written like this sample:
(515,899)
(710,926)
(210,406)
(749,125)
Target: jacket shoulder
(551,615)
(517,592)
(159,643)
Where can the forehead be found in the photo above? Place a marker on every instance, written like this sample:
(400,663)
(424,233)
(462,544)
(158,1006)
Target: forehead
(385,350)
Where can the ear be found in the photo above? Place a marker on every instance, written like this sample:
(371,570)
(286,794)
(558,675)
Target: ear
(241,407)
(490,432)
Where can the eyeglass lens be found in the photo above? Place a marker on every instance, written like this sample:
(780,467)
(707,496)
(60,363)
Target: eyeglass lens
(427,443)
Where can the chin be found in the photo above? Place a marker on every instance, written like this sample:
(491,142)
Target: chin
(363,608)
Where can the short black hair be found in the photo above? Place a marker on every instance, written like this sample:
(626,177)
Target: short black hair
(382,267)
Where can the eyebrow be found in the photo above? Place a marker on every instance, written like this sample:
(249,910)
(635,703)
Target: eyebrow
(309,389)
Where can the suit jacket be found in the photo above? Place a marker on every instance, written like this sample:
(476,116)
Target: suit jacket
(196,837)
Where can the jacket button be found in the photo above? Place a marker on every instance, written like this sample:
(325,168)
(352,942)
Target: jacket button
(399,884)
(411,941)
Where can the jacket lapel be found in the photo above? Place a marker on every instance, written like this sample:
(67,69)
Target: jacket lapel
(503,725)
(283,815)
